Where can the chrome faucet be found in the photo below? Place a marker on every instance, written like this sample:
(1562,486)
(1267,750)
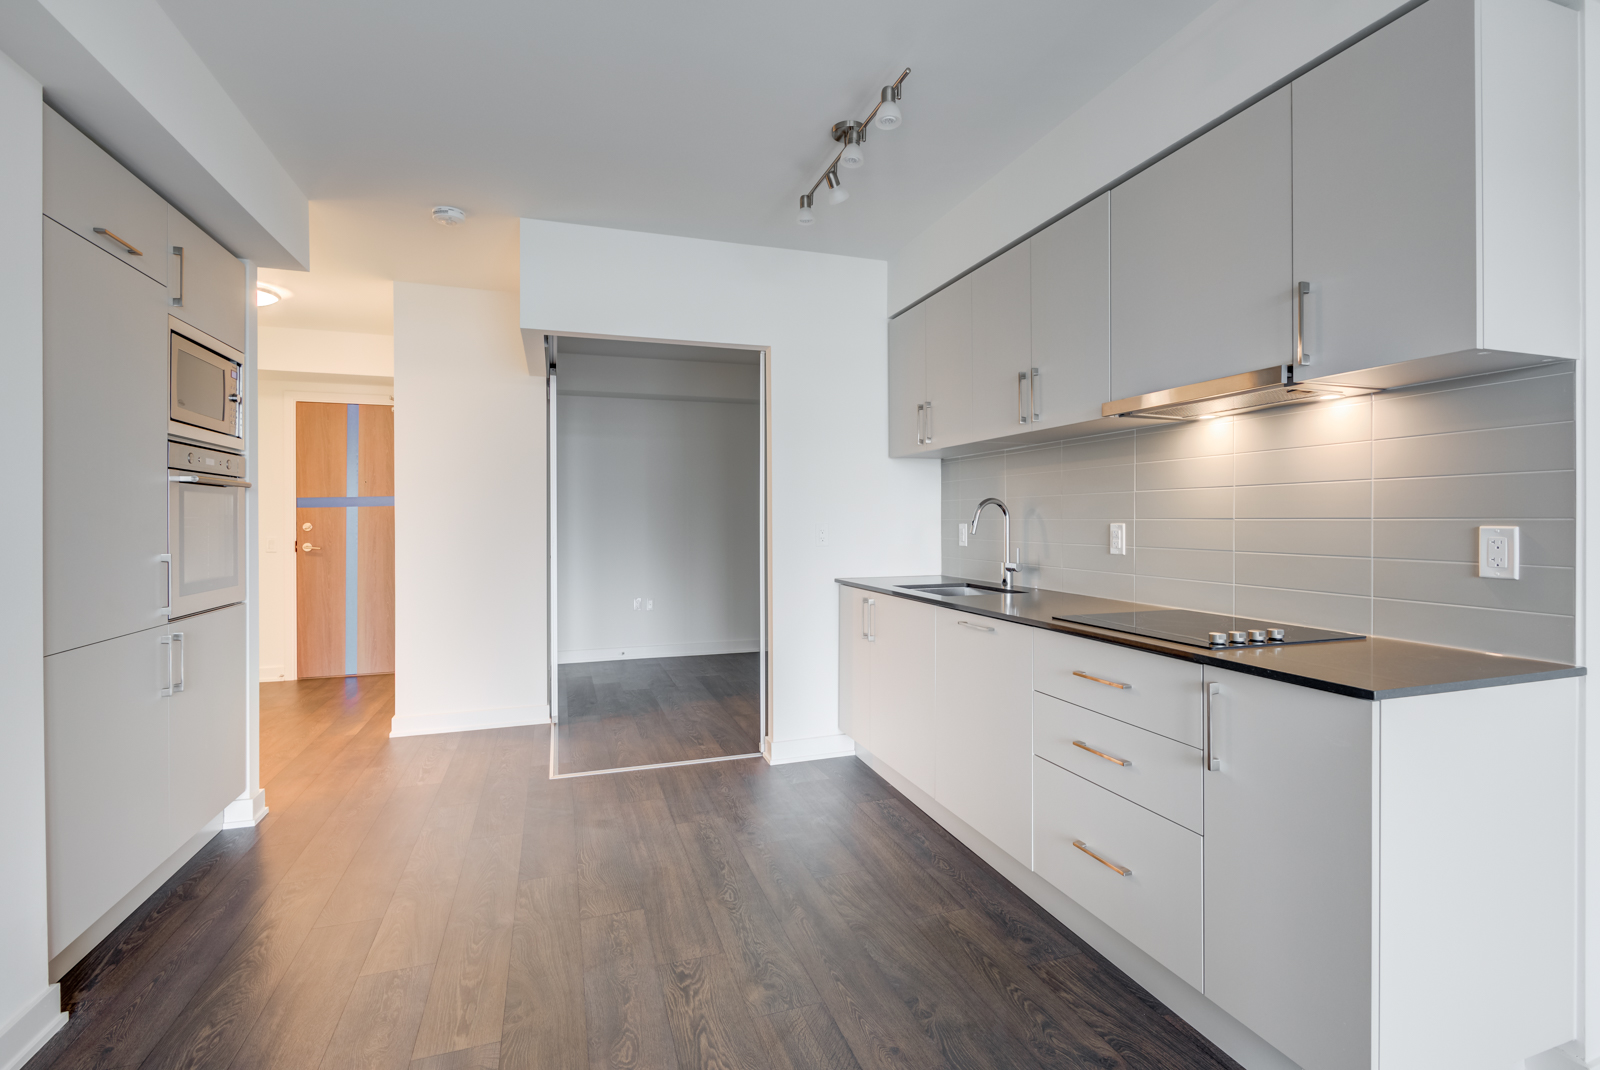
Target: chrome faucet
(1008,567)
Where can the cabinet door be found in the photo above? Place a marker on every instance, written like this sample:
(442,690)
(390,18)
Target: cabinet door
(949,416)
(984,727)
(855,665)
(105,774)
(1386,194)
(1071,316)
(1288,863)
(207,748)
(1201,257)
(205,283)
(903,688)
(105,443)
(908,380)
(85,189)
(1001,344)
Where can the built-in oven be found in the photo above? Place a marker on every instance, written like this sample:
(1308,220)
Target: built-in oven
(205,528)
(207,389)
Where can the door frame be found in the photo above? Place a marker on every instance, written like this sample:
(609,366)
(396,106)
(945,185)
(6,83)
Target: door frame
(291,399)
(763,537)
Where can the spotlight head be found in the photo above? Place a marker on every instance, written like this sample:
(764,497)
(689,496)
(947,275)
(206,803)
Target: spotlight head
(851,134)
(837,194)
(888,116)
(806,218)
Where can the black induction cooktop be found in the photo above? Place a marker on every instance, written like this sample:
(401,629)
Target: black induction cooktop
(1212,631)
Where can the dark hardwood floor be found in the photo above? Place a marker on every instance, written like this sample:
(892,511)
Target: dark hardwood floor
(615,714)
(439,903)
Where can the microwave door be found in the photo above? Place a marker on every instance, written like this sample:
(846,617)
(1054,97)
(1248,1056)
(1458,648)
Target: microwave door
(205,387)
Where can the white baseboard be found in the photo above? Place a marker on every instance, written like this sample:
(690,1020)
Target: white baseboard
(246,811)
(1214,1023)
(272,674)
(666,650)
(31,1027)
(785,751)
(85,942)
(431,724)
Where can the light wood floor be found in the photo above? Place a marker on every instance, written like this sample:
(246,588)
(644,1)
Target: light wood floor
(438,903)
(645,711)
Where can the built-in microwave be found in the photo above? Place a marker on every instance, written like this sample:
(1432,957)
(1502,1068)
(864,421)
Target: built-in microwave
(207,390)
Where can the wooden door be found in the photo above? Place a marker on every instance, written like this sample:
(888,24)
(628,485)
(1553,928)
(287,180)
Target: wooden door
(1202,257)
(344,538)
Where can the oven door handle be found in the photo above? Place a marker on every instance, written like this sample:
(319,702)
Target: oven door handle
(207,481)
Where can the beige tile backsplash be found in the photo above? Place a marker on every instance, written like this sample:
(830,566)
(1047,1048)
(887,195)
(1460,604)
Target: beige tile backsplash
(1360,514)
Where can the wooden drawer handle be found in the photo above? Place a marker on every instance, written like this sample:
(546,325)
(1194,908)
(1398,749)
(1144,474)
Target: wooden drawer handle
(1121,870)
(119,241)
(1084,746)
(1108,683)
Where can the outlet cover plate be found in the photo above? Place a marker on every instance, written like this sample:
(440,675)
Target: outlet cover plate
(1499,553)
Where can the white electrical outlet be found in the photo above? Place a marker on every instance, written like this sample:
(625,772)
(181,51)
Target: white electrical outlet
(961,533)
(1119,539)
(1499,553)
(822,536)
(649,603)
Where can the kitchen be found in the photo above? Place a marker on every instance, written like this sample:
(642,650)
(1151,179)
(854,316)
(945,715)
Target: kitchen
(1029,343)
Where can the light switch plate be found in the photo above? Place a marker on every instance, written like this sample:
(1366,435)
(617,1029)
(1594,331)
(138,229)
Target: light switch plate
(1119,539)
(1499,553)
(961,533)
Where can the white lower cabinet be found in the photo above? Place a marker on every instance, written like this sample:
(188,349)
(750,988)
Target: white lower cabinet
(983,698)
(1133,869)
(207,724)
(886,680)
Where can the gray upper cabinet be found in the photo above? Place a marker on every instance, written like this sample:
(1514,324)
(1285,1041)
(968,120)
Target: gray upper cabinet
(1201,257)
(1436,188)
(88,192)
(948,418)
(908,380)
(1071,317)
(205,282)
(1001,345)
(105,440)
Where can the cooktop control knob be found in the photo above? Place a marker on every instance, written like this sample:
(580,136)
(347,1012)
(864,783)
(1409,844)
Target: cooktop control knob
(1236,637)
(1219,638)
(1275,634)
(1257,635)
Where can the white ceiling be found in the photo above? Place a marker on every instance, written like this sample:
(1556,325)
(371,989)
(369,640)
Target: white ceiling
(706,119)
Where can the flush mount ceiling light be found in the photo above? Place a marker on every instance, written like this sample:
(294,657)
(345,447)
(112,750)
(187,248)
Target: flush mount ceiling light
(268,294)
(851,135)
(446,216)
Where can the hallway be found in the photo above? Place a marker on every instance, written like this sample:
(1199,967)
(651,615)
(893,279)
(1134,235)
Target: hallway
(437,903)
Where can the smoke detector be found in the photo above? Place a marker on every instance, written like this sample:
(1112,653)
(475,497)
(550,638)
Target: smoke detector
(446,216)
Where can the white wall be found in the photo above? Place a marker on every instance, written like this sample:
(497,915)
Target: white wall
(1233,51)
(469,514)
(839,505)
(659,499)
(274,475)
(298,349)
(30,1008)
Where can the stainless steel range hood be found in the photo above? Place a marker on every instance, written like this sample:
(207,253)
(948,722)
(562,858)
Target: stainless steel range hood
(1246,392)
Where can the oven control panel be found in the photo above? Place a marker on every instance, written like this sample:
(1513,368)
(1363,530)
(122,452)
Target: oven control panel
(186,458)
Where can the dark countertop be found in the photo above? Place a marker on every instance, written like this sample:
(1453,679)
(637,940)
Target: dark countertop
(1371,668)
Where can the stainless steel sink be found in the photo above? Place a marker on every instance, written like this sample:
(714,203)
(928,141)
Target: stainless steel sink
(959,590)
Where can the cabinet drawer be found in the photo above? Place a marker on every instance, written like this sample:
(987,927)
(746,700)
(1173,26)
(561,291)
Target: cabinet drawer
(1158,903)
(1157,693)
(84,188)
(1161,774)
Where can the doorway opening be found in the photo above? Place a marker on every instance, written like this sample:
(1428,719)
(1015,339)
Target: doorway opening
(658,553)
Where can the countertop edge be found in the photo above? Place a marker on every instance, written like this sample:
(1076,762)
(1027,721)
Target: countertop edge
(1201,658)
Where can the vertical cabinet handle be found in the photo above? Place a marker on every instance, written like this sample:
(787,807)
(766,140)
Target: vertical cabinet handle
(1213,763)
(929,406)
(1022,413)
(177,251)
(177,641)
(166,559)
(166,641)
(869,613)
(921,438)
(1033,394)
(1301,356)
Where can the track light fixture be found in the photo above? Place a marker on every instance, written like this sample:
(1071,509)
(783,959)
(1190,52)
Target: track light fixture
(851,135)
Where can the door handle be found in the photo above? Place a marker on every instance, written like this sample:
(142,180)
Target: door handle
(166,641)
(166,559)
(177,641)
(930,422)
(1033,394)
(1098,680)
(920,438)
(1080,744)
(119,241)
(1212,762)
(1300,354)
(1022,415)
(177,251)
(1123,871)
(307,547)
